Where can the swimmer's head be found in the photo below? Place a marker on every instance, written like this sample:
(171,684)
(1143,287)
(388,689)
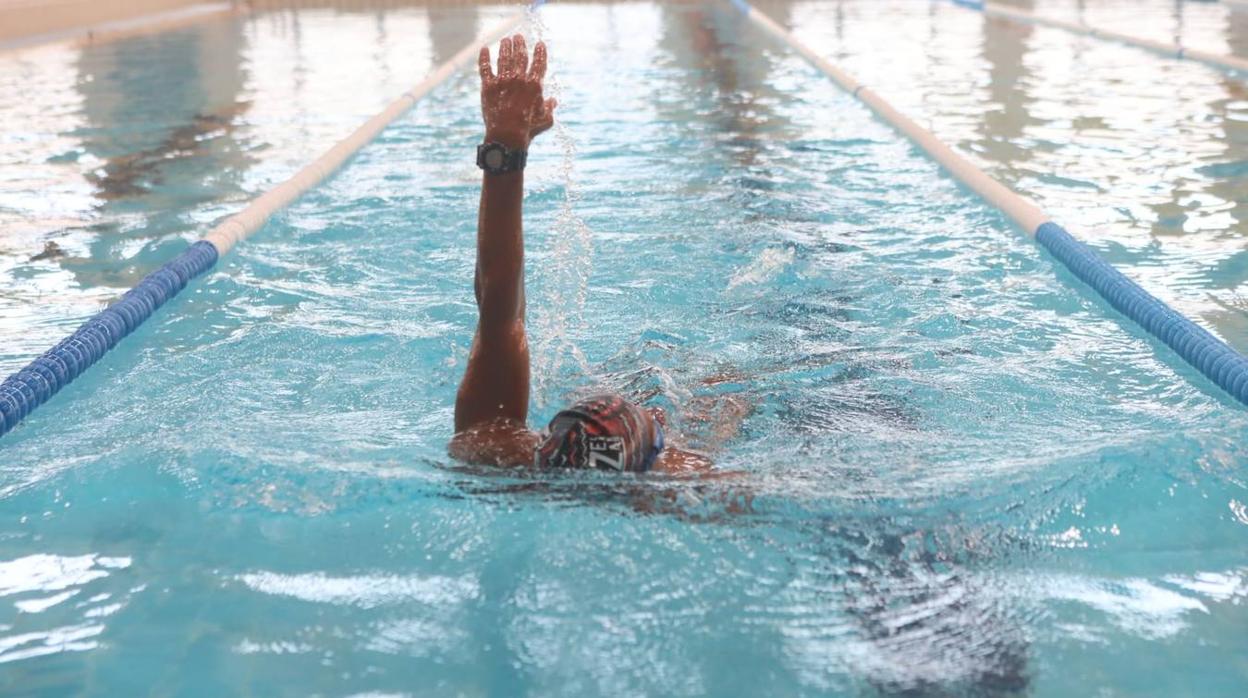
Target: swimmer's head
(602,432)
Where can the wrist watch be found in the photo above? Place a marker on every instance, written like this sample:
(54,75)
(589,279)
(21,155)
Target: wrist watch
(496,158)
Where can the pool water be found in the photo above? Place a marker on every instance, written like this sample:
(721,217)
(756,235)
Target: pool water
(1144,157)
(960,475)
(1218,27)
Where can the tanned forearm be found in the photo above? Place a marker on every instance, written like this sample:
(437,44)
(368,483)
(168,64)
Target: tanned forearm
(500,253)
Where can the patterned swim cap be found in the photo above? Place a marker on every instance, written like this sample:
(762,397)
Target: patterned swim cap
(604,432)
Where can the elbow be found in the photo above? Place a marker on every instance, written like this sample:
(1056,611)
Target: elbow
(507,329)
(499,304)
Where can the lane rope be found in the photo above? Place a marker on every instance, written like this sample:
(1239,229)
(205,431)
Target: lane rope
(43,377)
(1224,61)
(1215,359)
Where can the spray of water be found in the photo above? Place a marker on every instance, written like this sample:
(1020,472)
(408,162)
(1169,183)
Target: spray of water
(560,311)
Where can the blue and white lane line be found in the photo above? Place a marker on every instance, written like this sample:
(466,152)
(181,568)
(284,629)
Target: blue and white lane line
(35,384)
(1216,360)
(30,387)
(1208,354)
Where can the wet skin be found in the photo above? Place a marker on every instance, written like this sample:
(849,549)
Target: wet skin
(491,407)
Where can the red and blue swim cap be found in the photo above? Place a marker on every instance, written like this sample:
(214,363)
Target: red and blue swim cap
(603,432)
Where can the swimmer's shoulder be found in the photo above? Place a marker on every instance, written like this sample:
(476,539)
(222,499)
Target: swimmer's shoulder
(501,442)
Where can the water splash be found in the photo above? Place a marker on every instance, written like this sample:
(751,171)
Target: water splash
(565,277)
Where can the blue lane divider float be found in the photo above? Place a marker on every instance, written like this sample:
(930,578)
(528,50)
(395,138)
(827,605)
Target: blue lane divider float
(30,387)
(1227,368)
(1208,354)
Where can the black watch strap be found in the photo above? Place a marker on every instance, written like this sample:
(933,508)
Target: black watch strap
(496,158)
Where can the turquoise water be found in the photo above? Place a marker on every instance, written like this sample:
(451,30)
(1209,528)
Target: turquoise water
(965,476)
(1143,156)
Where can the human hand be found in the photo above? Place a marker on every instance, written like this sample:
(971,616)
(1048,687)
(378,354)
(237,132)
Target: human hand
(511,101)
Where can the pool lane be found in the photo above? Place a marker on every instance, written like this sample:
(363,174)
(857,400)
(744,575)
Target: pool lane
(1217,27)
(967,479)
(1143,157)
(110,161)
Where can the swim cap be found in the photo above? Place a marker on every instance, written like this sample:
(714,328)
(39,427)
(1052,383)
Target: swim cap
(605,432)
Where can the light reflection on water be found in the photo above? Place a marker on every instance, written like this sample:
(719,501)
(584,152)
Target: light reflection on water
(110,160)
(1143,156)
(1217,27)
(966,478)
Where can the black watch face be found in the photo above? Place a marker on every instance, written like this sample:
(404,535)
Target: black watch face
(494,158)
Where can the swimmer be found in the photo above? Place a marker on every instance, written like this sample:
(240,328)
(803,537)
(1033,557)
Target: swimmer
(491,409)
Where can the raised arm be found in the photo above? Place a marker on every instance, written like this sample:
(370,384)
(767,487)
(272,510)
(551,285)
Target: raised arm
(495,388)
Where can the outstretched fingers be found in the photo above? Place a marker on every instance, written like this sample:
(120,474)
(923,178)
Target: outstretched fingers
(546,117)
(520,56)
(538,71)
(483,64)
(504,57)
(513,60)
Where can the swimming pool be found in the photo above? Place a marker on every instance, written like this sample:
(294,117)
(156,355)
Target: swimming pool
(967,475)
(1144,157)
